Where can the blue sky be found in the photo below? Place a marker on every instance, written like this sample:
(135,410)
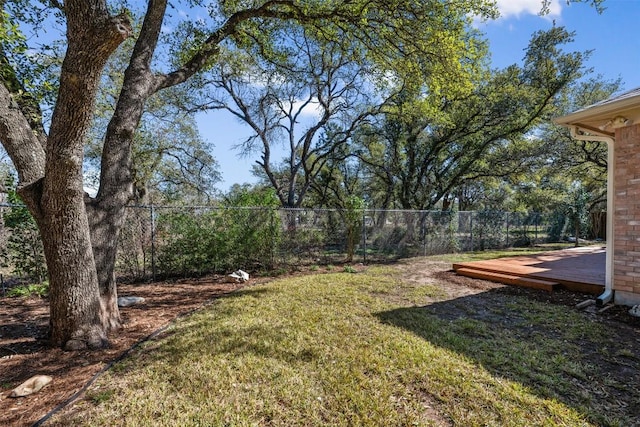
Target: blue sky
(614,37)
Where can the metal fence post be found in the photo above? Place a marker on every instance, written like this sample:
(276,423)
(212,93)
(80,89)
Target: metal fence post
(364,236)
(471,229)
(153,242)
(507,242)
(453,239)
(423,232)
(272,213)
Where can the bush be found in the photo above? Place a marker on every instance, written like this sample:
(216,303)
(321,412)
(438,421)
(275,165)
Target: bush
(187,243)
(218,240)
(38,289)
(489,229)
(24,246)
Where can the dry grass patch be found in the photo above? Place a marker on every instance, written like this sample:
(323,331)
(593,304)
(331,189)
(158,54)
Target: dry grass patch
(369,349)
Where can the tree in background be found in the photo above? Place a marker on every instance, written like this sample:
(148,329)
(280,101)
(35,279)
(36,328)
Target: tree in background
(550,187)
(576,209)
(304,105)
(423,158)
(341,177)
(353,219)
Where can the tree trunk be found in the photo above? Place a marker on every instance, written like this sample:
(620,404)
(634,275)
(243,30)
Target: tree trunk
(105,225)
(75,309)
(107,212)
(78,316)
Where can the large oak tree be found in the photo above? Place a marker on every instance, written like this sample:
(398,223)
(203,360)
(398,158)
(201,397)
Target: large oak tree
(422,157)
(310,105)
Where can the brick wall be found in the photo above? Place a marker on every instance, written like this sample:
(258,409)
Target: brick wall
(626,270)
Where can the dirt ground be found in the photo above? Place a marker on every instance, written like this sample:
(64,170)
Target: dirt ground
(24,351)
(23,327)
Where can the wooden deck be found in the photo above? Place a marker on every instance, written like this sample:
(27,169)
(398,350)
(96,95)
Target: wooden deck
(577,269)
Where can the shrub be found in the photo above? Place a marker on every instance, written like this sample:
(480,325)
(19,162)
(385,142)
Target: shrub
(24,246)
(489,230)
(38,289)
(217,240)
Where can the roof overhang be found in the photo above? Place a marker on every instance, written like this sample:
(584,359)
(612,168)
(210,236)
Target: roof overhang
(605,117)
(599,122)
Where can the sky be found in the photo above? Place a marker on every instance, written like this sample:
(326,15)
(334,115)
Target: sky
(613,36)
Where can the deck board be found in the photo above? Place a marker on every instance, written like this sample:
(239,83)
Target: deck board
(578,269)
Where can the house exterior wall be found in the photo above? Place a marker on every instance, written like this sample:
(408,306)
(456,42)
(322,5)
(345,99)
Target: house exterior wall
(626,218)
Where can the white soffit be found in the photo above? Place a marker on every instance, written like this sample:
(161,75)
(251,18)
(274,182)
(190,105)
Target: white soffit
(605,116)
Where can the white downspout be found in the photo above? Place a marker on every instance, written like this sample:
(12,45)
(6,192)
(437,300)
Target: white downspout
(607,295)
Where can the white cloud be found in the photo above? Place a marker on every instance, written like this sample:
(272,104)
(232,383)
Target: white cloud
(511,8)
(311,110)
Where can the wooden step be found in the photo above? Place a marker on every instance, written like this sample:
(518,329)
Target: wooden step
(494,267)
(488,275)
(507,279)
(530,282)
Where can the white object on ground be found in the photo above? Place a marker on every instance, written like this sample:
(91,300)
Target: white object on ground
(32,385)
(240,276)
(127,301)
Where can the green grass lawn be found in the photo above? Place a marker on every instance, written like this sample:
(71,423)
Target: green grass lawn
(367,349)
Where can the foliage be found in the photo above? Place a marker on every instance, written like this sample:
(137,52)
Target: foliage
(171,162)
(310,105)
(447,223)
(254,233)
(551,187)
(423,159)
(188,244)
(309,88)
(24,246)
(489,230)
(389,240)
(557,226)
(577,213)
(135,249)
(349,269)
(250,196)
(224,238)
(35,289)
(244,235)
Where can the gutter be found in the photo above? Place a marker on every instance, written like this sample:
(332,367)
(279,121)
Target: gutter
(577,133)
(608,107)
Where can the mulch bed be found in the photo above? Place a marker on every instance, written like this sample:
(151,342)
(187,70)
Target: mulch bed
(24,351)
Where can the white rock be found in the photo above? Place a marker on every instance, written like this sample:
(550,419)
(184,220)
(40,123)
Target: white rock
(240,276)
(127,301)
(635,311)
(32,385)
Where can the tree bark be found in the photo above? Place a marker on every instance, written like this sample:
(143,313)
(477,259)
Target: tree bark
(77,314)
(107,212)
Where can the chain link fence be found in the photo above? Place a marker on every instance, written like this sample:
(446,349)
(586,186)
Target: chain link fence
(168,241)
(160,241)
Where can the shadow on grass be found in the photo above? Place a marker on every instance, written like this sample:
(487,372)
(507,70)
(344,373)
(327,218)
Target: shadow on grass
(554,351)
